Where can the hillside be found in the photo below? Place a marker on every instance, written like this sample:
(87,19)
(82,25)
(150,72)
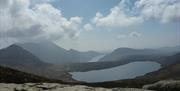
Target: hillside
(13,80)
(17,58)
(170,69)
(8,75)
(170,60)
(171,50)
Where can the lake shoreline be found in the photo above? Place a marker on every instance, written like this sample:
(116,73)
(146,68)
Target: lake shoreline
(127,71)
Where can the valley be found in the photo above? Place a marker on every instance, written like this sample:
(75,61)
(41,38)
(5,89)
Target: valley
(89,45)
(15,58)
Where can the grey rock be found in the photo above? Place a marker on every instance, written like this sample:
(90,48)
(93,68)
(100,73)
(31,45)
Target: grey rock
(58,87)
(166,85)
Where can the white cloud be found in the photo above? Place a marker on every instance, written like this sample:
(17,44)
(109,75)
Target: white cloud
(88,27)
(124,15)
(42,21)
(134,34)
(172,13)
(116,18)
(165,10)
(34,2)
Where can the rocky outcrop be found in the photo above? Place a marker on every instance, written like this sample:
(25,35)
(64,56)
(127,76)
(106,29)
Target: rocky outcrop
(167,85)
(57,87)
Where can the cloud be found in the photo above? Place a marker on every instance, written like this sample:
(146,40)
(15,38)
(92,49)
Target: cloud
(165,10)
(88,27)
(21,22)
(40,1)
(116,18)
(3,3)
(129,13)
(133,34)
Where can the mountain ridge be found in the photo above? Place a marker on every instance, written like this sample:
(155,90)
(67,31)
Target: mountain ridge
(123,53)
(51,53)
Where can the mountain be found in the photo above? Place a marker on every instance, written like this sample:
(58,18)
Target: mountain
(82,56)
(171,50)
(47,52)
(51,53)
(129,53)
(18,58)
(15,56)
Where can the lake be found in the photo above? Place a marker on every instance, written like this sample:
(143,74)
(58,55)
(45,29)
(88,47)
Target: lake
(127,71)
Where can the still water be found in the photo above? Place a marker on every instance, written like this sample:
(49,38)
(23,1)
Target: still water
(127,71)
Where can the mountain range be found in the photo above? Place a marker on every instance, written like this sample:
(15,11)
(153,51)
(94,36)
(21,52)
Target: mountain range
(51,53)
(123,56)
(19,58)
(138,54)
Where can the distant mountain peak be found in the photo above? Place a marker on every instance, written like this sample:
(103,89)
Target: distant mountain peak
(14,55)
(13,46)
(73,51)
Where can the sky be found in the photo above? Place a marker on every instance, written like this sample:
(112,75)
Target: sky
(84,25)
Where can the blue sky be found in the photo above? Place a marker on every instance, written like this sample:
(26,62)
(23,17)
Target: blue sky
(85,8)
(92,24)
(153,33)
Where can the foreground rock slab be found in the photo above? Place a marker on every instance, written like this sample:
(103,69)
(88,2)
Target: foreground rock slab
(166,85)
(58,87)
